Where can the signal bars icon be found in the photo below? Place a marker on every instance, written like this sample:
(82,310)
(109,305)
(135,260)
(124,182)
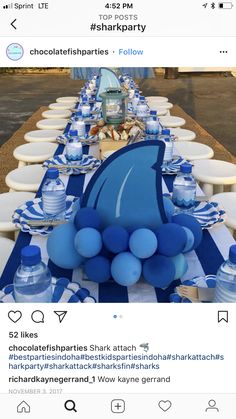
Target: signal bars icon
(8,6)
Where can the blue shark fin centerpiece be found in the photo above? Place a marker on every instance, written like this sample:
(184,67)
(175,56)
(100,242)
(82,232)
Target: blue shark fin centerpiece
(127,188)
(107,79)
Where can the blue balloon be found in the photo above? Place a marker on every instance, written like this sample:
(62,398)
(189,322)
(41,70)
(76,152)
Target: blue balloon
(190,240)
(181,265)
(88,242)
(87,217)
(61,249)
(169,207)
(190,222)
(115,238)
(159,271)
(98,269)
(143,243)
(171,239)
(126,269)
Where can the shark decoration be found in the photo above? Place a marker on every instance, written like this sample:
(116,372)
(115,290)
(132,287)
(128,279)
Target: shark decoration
(107,78)
(127,188)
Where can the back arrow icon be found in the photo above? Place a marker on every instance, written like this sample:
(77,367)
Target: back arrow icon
(12,24)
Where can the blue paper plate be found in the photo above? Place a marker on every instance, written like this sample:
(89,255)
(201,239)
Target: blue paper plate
(208,214)
(64,291)
(33,210)
(88,162)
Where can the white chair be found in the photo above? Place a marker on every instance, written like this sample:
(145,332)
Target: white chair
(172,121)
(156,99)
(27,178)
(34,153)
(183,134)
(166,105)
(9,201)
(42,135)
(67,99)
(193,150)
(214,173)
(160,106)
(227,201)
(62,106)
(160,110)
(52,124)
(56,113)
(6,246)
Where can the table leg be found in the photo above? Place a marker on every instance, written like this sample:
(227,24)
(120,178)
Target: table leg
(207,189)
(21,164)
(16,234)
(218,188)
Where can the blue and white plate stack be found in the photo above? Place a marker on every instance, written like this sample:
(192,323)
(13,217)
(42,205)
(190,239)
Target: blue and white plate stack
(87,164)
(33,210)
(173,167)
(209,214)
(64,291)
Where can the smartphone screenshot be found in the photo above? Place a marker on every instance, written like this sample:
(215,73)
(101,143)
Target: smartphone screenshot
(117,209)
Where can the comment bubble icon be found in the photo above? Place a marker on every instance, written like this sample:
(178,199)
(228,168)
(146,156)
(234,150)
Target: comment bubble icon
(37,316)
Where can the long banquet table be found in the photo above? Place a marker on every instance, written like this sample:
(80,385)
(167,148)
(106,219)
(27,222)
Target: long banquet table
(204,261)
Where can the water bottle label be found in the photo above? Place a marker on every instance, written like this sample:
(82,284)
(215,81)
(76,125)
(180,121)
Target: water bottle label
(80,127)
(168,151)
(152,127)
(85,111)
(54,202)
(141,110)
(224,295)
(74,151)
(183,198)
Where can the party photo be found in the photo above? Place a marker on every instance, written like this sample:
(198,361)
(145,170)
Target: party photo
(117,185)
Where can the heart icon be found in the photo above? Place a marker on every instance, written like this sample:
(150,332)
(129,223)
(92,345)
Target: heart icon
(14,316)
(165,405)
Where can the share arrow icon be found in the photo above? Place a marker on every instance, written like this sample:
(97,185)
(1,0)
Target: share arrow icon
(61,315)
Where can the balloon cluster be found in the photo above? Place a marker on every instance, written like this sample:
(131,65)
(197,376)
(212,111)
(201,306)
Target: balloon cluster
(125,256)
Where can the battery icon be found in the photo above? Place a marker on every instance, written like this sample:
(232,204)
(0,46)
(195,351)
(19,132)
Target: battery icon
(226,5)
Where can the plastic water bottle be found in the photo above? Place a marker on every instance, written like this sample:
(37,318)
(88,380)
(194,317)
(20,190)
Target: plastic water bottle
(74,149)
(169,143)
(135,102)
(184,189)
(152,114)
(226,279)
(142,108)
(53,195)
(85,108)
(32,281)
(79,125)
(152,128)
